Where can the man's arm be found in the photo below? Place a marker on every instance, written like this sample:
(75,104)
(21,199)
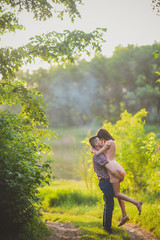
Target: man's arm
(114,172)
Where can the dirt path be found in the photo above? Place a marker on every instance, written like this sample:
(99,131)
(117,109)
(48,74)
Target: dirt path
(66,231)
(63,231)
(138,233)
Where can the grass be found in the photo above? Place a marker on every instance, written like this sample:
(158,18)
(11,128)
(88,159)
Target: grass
(67,197)
(82,213)
(86,214)
(150,216)
(90,226)
(67,193)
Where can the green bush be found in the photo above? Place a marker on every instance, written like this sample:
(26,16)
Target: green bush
(21,173)
(92,214)
(33,230)
(136,151)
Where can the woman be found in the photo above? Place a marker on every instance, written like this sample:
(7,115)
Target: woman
(109,149)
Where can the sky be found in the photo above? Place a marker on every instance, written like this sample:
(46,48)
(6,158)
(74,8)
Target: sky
(127,22)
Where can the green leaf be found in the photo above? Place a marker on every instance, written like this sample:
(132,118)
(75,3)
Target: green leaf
(158,73)
(156,54)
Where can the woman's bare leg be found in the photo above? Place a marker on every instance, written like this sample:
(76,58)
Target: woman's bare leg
(119,195)
(125,218)
(122,205)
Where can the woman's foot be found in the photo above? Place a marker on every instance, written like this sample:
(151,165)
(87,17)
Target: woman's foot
(139,206)
(123,220)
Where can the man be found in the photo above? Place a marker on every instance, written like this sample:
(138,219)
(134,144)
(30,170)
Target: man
(101,168)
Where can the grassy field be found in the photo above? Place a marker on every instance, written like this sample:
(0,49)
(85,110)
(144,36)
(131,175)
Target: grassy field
(70,201)
(81,207)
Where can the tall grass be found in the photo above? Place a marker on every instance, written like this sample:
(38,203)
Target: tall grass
(67,195)
(70,197)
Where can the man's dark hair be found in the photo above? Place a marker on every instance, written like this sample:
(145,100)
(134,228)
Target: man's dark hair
(92,141)
(103,133)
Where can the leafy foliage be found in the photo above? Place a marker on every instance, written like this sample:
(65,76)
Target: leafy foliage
(64,46)
(156,55)
(22,138)
(137,151)
(21,170)
(51,47)
(43,9)
(21,147)
(156,6)
(32,106)
(56,47)
(8,22)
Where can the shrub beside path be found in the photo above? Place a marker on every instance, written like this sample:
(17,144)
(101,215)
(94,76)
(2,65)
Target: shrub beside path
(66,231)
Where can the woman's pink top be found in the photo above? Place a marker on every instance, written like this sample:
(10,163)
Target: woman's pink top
(110,154)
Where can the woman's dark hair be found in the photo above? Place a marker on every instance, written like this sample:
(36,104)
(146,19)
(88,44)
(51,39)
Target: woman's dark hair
(103,133)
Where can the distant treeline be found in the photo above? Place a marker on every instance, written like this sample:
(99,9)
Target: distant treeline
(102,88)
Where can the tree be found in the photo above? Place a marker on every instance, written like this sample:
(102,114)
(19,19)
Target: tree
(156,5)
(22,136)
(56,47)
(100,89)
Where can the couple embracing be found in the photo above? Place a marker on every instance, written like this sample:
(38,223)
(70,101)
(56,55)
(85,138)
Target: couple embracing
(110,174)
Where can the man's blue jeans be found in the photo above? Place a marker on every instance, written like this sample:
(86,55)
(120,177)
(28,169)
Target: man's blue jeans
(108,195)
